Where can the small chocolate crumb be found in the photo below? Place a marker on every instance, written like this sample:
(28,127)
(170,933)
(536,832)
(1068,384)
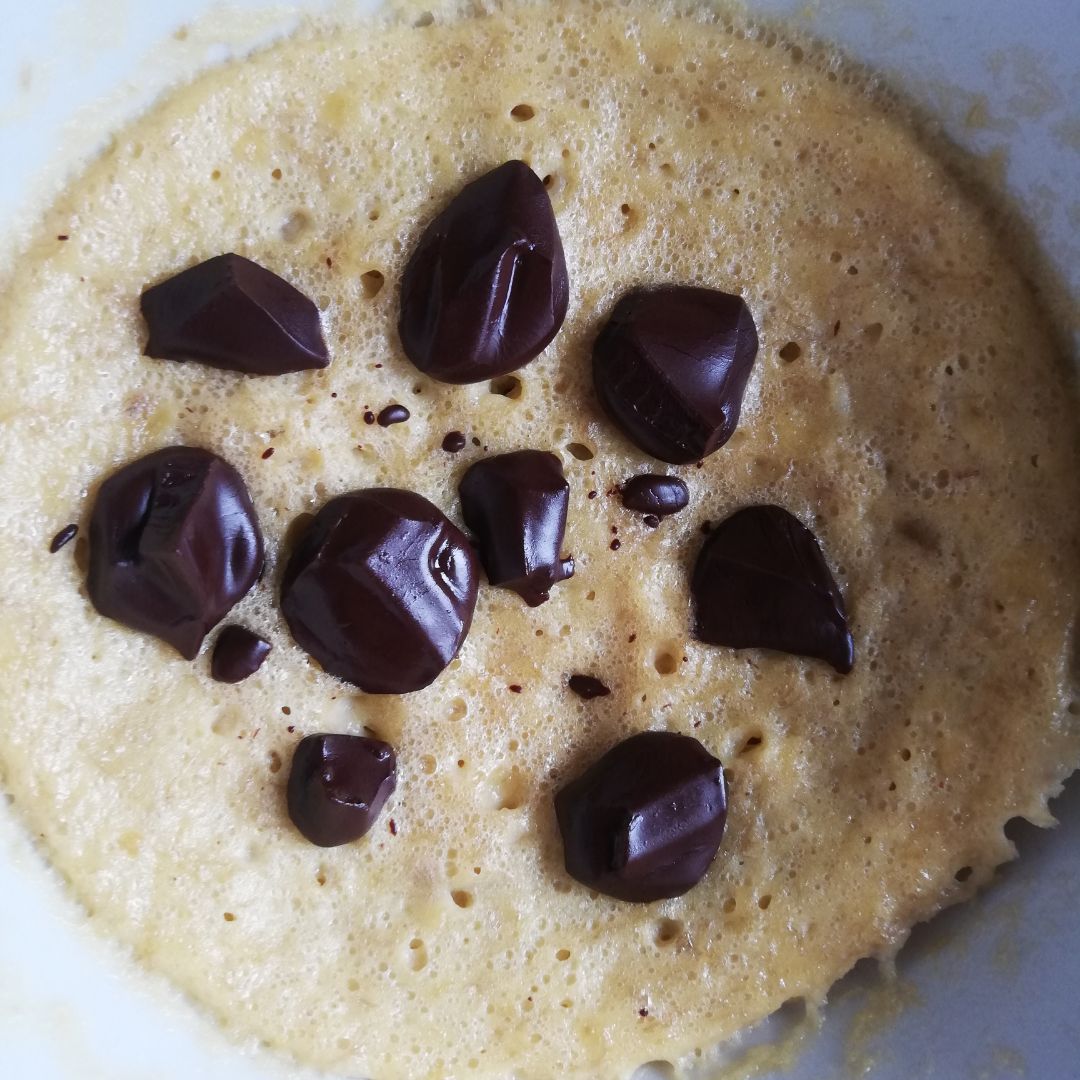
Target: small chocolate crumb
(268,453)
(643,1012)
(514,688)
(592,495)
(286,710)
(454,442)
(651,521)
(393,827)
(64,536)
(587,687)
(632,638)
(615,544)
(369,417)
(291,728)
(62,236)
(475,441)
(393,414)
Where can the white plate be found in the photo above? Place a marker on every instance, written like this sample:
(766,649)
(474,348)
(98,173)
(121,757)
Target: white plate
(987,991)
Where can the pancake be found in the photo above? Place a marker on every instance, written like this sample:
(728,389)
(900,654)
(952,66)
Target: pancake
(909,402)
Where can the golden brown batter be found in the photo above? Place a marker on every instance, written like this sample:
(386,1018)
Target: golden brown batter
(908,403)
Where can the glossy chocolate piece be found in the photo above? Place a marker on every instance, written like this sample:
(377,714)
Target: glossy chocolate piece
(174,544)
(485,290)
(63,537)
(454,442)
(587,687)
(393,414)
(238,653)
(761,581)
(380,590)
(657,495)
(515,504)
(338,785)
(644,822)
(671,366)
(231,313)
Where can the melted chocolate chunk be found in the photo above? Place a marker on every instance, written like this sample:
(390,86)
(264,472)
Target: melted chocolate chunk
(393,414)
(231,313)
(761,582)
(659,495)
(174,544)
(671,366)
(587,687)
(486,289)
(516,505)
(238,653)
(338,785)
(454,442)
(64,536)
(381,590)
(644,822)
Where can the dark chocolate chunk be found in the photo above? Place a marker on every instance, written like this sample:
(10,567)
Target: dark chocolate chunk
(670,368)
(64,536)
(644,822)
(381,589)
(174,544)
(369,417)
(238,653)
(659,495)
(231,313)
(761,582)
(338,785)
(454,442)
(587,687)
(486,289)
(516,505)
(393,414)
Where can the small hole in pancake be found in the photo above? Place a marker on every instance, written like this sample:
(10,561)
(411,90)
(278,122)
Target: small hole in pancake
(668,931)
(905,754)
(730,904)
(665,663)
(216,174)
(229,917)
(506,386)
(417,955)
(511,789)
(523,112)
(296,223)
(764,902)
(963,874)
(425,18)
(427,764)
(462,898)
(458,709)
(353,985)
(580,451)
(275,761)
(563,954)
(372,282)
(320,877)
(276,174)
(873,334)
(790,352)
(751,744)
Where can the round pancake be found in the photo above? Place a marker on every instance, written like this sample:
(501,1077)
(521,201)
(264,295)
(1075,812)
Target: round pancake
(909,403)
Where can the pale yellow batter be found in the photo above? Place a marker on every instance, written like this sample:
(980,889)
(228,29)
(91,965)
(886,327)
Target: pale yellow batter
(908,403)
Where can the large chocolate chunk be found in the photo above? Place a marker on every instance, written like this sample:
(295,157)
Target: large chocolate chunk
(238,653)
(174,544)
(657,495)
(644,822)
(761,582)
(337,786)
(485,290)
(231,313)
(515,504)
(671,366)
(381,590)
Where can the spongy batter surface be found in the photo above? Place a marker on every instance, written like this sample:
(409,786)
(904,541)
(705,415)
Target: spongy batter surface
(908,403)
